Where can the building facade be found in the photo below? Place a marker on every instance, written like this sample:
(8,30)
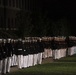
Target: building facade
(9,9)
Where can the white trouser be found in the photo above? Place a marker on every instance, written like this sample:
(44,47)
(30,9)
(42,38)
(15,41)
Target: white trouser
(4,66)
(61,53)
(35,56)
(39,58)
(53,54)
(45,55)
(20,61)
(8,64)
(1,62)
(56,54)
(30,60)
(64,52)
(70,51)
(49,52)
(25,61)
(14,60)
(75,50)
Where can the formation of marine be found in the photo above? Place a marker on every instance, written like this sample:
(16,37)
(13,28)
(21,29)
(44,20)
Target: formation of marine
(30,51)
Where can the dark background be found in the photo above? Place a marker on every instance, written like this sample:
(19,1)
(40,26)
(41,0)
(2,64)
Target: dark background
(60,8)
(38,18)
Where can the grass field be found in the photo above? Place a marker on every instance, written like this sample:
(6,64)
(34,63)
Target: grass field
(67,59)
(54,68)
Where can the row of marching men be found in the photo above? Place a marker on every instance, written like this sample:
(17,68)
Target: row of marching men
(23,53)
(71,41)
(58,47)
(30,51)
(54,47)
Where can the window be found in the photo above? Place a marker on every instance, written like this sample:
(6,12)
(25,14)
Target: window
(17,3)
(15,23)
(12,22)
(9,2)
(8,22)
(13,1)
(20,3)
(6,2)
(31,4)
(28,4)
(1,22)
(23,4)
(0,2)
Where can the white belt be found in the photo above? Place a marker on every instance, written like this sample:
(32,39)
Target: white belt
(19,49)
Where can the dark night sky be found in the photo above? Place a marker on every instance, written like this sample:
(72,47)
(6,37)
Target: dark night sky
(61,8)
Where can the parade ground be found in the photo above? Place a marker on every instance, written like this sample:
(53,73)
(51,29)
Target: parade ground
(63,66)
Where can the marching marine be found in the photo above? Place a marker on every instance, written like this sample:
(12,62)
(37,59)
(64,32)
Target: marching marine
(25,53)
(19,53)
(1,57)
